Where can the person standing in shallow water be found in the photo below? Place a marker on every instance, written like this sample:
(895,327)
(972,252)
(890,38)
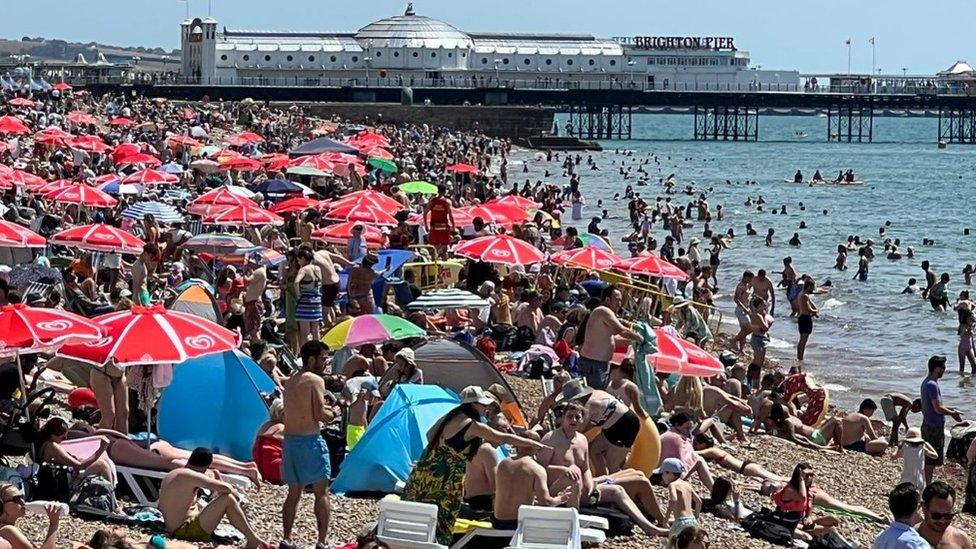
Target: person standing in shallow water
(804,322)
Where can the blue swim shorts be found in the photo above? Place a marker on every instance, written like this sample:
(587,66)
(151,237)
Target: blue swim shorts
(305,460)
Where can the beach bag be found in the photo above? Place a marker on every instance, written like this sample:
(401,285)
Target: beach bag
(829,541)
(960,437)
(94,498)
(52,483)
(770,526)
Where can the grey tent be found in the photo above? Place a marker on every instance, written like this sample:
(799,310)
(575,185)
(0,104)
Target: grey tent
(454,365)
(322,145)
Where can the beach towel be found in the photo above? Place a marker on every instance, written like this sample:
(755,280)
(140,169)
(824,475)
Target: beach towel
(644,372)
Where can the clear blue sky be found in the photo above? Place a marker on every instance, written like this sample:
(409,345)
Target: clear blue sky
(806,35)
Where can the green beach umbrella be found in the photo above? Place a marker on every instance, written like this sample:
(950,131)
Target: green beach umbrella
(372,328)
(383,164)
(418,187)
(306,170)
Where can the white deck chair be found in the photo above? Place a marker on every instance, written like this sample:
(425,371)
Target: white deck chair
(547,528)
(407,525)
(592,530)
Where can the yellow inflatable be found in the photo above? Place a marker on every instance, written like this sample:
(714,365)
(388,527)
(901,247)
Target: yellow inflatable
(646,451)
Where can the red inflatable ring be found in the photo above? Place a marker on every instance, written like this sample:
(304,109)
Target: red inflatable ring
(817,397)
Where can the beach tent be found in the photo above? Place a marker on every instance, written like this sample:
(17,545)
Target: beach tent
(195,298)
(215,401)
(454,365)
(322,145)
(394,440)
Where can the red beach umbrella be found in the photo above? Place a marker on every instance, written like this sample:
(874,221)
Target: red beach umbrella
(217,200)
(250,137)
(244,214)
(462,168)
(150,177)
(372,199)
(486,214)
(26,329)
(502,248)
(121,122)
(13,235)
(88,143)
(340,233)
(21,102)
(361,211)
(153,335)
(23,179)
(83,195)
(12,124)
(318,162)
(587,257)
(78,117)
(183,140)
(142,159)
(680,356)
(651,265)
(514,200)
(99,237)
(240,164)
(292,205)
(61,86)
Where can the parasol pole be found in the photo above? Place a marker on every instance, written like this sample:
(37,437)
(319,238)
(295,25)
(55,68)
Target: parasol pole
(23,384)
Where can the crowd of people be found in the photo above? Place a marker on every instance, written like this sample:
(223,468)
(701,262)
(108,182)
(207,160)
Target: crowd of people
(293,281)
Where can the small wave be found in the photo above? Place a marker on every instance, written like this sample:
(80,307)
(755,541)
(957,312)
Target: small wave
(836,387)
(832,303)
(776,343)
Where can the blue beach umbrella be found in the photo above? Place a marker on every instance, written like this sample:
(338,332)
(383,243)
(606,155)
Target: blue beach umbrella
(164,213)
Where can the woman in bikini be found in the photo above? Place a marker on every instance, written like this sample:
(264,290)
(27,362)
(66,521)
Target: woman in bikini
(705,446)
(623,387)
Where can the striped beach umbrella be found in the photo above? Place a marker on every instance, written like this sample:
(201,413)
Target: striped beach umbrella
(449,298)
(164,213)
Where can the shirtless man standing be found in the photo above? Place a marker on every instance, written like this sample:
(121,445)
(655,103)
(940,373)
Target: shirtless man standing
(519,481)
(325,261)
(566,459)
(178,503)
(858,434)
(741,298)
(304,454)
(762,287)
(788,282)
(600,328)
(938,502)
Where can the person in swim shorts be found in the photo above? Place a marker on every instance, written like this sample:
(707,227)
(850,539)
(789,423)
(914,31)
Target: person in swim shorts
(683,502)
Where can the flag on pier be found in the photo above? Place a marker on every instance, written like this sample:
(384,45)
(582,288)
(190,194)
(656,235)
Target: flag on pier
(871,40)
(848,41)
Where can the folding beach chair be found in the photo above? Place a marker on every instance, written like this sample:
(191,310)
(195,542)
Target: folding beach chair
(547,528)
(407,525)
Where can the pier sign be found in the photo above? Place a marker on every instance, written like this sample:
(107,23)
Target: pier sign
(679,42)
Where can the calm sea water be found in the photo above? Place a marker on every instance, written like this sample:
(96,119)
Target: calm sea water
(870,339)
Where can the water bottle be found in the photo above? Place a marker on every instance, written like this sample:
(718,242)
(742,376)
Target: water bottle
(39,507)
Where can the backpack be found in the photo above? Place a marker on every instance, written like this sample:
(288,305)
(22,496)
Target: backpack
(829,541)
(51,483)
(770,526)
(94,497)
(487,346)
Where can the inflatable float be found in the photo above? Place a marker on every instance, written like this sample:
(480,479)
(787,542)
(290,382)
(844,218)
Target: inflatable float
(817,401)
(646,451)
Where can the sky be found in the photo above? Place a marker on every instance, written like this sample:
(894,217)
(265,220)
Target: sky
(805,35)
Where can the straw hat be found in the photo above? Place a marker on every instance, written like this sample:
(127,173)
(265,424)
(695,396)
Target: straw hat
(914,436)
(407,355)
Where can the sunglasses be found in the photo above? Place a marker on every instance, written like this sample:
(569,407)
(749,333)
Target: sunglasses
(19,500)
(942,516)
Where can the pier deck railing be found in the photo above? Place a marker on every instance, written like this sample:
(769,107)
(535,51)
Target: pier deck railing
(919,87)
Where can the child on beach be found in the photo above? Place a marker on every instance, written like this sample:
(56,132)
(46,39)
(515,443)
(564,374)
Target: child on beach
(683,502)
(914,450)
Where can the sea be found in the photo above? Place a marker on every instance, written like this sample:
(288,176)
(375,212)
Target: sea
(870,338)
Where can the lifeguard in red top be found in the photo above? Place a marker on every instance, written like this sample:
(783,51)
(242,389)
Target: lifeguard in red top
(440,221)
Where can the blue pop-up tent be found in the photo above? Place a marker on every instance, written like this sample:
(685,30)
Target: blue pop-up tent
(394,440)
(215,402)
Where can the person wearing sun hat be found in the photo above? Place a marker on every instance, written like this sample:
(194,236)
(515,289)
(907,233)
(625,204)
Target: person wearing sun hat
(913,449)
(438,477)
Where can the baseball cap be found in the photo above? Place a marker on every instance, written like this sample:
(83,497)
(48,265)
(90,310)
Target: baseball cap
(671,465)
(472,394)
(372,387)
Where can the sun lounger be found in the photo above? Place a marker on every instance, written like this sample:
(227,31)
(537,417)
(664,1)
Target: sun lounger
(592,530)
(547,528)
(142,483)
(407,525)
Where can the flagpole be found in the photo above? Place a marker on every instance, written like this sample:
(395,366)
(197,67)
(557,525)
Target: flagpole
(848,55)
(872,57)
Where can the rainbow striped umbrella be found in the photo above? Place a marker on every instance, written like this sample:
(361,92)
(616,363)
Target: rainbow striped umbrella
(365,329)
